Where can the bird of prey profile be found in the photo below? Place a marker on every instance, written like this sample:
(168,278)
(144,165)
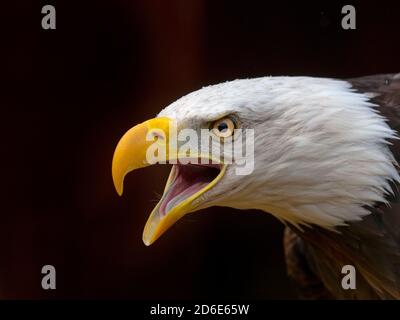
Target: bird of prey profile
(324,164)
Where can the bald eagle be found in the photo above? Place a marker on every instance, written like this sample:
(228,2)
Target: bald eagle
(324,164)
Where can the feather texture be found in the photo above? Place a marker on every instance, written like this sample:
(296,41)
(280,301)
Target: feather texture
(371,245)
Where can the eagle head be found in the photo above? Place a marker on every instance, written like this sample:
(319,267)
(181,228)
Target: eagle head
(310,151)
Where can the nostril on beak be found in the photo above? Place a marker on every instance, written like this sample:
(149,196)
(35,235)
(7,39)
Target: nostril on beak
(156,133)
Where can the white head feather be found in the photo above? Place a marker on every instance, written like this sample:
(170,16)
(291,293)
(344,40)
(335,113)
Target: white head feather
(321,149)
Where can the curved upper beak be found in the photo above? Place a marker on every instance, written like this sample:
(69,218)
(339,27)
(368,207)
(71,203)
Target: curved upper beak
(131,151)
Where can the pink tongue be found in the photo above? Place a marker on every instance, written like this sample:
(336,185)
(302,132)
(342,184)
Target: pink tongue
(189,179)
(184,195)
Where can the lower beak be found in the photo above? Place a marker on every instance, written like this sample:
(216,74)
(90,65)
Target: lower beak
(132,153)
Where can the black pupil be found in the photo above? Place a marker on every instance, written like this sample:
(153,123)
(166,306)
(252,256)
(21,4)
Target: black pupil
(222,127)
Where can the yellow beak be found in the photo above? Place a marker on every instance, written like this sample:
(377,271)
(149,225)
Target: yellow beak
(132,153)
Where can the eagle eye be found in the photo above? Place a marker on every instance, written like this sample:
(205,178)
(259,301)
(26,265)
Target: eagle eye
(223,128)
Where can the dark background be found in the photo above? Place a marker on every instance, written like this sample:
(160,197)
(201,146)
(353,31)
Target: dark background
(69,94)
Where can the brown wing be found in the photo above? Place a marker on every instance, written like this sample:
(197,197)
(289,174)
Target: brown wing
(309,285)
(372,246)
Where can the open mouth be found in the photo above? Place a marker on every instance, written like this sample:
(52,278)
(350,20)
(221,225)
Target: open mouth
(186,183)
(186,180)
